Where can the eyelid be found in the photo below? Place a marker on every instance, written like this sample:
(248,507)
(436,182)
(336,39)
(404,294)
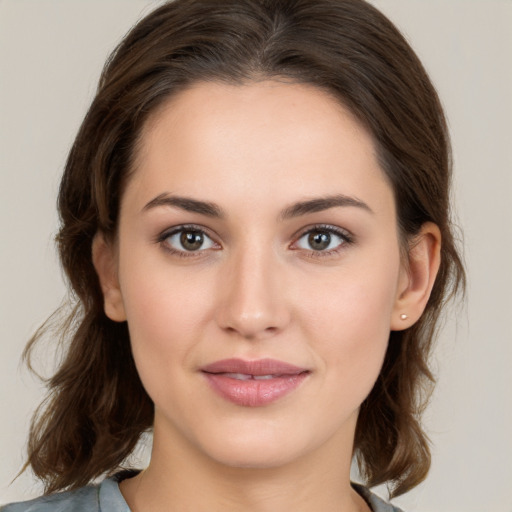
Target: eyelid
(347,237)
(164,235)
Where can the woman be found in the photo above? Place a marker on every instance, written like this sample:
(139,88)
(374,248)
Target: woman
(255,222)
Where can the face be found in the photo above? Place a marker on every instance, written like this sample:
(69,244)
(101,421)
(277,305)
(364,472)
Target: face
(259,269)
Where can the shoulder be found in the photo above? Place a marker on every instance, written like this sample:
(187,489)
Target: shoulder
(85,499)
(93,498)
(377,504)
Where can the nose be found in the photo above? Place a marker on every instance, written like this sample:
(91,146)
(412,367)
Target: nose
(253,300)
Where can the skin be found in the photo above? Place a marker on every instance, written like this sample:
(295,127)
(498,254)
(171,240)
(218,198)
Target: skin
(257,289)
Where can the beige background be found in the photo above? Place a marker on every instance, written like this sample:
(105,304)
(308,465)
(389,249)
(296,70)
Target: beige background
(51,53)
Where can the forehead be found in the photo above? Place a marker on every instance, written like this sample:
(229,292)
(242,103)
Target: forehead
(253,140)
(294,111)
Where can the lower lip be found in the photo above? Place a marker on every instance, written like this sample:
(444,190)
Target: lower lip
(254,393)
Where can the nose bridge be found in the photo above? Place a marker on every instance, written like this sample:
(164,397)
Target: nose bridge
(253,302)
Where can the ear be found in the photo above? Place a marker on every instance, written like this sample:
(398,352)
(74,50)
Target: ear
(417,277)
(104,259)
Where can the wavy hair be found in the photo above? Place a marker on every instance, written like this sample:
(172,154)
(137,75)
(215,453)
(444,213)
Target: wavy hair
(96,408)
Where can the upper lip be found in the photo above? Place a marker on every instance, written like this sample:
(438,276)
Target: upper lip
(257,367)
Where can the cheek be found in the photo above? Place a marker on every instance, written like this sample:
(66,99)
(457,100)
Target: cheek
(352,304)
(359,331)
(350,323)
(165,311)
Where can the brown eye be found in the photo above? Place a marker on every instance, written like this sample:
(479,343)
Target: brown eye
(191,240)
(188,240)
(323,239)
(319,241)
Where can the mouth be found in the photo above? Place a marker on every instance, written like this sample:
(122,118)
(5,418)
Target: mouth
(245,376)
(253,383)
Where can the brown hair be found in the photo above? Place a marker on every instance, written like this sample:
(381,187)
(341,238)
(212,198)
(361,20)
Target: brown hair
(97,408)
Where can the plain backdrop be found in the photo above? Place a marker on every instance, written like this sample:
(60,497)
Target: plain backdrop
(51,54)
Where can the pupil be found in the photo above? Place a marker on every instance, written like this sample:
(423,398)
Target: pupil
(319,241)
(191,240)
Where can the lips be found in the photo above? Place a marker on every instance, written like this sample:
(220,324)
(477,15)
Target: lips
(253,383)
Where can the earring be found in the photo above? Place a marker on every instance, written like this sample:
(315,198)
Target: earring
(403,317)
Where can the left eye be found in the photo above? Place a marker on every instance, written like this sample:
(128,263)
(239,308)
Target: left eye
(320,240)
(189,240)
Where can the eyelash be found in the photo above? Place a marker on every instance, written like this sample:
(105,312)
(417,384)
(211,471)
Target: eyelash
(346,237)
(161,239)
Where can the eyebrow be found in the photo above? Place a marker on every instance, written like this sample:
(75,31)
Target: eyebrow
(295,210)
(322,203)
(187,204)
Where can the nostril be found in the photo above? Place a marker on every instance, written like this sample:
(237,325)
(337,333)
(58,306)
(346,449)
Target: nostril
(251,333)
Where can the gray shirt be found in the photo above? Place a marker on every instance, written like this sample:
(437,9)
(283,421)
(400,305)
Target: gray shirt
(106,497)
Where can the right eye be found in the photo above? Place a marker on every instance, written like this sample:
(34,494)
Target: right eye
(187,240)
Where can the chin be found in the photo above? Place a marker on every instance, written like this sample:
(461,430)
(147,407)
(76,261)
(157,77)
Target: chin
(264,448)
(257,457)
